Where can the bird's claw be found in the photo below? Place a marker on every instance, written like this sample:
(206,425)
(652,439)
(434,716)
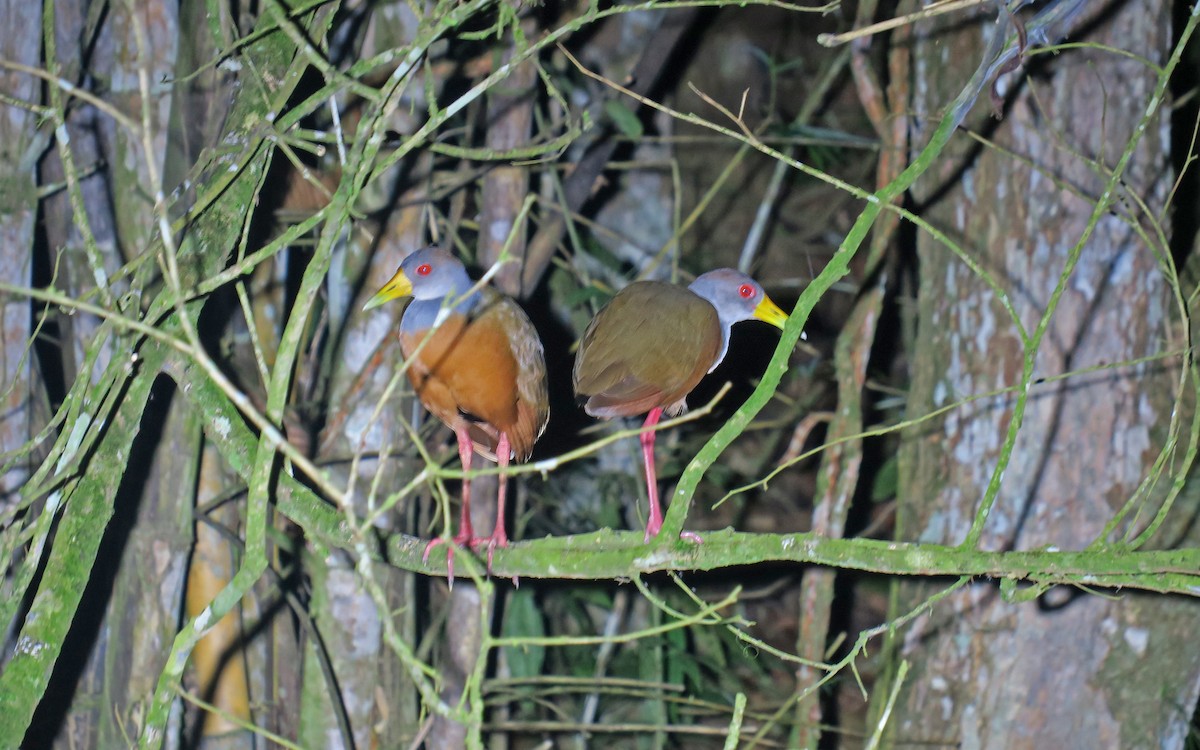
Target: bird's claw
(687,536)
(475,544)
(491,542)
(457,541)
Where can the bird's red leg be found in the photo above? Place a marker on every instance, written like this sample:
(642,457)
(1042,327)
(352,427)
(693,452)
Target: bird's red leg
(499,538)
(466,450)
(654,522)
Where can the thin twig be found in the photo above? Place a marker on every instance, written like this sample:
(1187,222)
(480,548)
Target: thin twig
(929,11)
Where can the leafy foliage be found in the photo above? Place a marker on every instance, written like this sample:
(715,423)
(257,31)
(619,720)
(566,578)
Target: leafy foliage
(204,333)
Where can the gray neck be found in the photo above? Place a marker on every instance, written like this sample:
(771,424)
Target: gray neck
(421,314)
(726,326)
(704,288)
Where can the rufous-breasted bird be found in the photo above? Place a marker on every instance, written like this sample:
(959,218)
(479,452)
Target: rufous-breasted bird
(652,343)
(481,372)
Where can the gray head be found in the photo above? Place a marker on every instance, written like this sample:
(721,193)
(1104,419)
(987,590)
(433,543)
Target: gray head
(428,274)
(435,274)
(736,297)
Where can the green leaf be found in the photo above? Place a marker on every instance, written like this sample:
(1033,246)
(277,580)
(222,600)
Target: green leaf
(583,295)
(887,481)
(523,619)
(623,118)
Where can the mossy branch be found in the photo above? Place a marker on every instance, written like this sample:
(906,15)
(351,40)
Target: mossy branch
(617,555)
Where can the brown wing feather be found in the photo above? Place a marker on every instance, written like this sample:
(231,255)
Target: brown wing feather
(647,348)
(487,374)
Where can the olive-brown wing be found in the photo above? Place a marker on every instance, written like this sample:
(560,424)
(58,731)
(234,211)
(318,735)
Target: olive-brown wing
(647,348)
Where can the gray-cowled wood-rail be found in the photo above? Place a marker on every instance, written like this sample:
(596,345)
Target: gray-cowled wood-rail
(481,371)
(653,342)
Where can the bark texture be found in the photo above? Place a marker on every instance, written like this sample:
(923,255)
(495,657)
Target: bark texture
(374,690)
(18,200)
(1071,669)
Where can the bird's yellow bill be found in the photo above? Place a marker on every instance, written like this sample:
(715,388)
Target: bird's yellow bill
(399,286)
(769,312)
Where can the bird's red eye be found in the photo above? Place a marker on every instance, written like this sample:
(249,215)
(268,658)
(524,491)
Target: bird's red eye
(747,291)
(424,269)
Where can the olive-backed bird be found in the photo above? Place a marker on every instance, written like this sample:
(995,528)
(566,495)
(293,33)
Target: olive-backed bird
(475,362)
(652,343)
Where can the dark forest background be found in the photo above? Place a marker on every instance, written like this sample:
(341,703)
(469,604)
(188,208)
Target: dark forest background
(959,511)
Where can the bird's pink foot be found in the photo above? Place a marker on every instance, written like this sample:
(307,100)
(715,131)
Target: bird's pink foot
(687,536)
(458,541)
(497,539)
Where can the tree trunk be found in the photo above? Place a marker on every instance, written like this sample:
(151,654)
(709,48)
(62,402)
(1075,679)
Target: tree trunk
(18,207)
(104,215)
(1071,669)
(373,687)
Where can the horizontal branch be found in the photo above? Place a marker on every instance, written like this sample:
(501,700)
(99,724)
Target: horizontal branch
(613,555)
(610,554)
